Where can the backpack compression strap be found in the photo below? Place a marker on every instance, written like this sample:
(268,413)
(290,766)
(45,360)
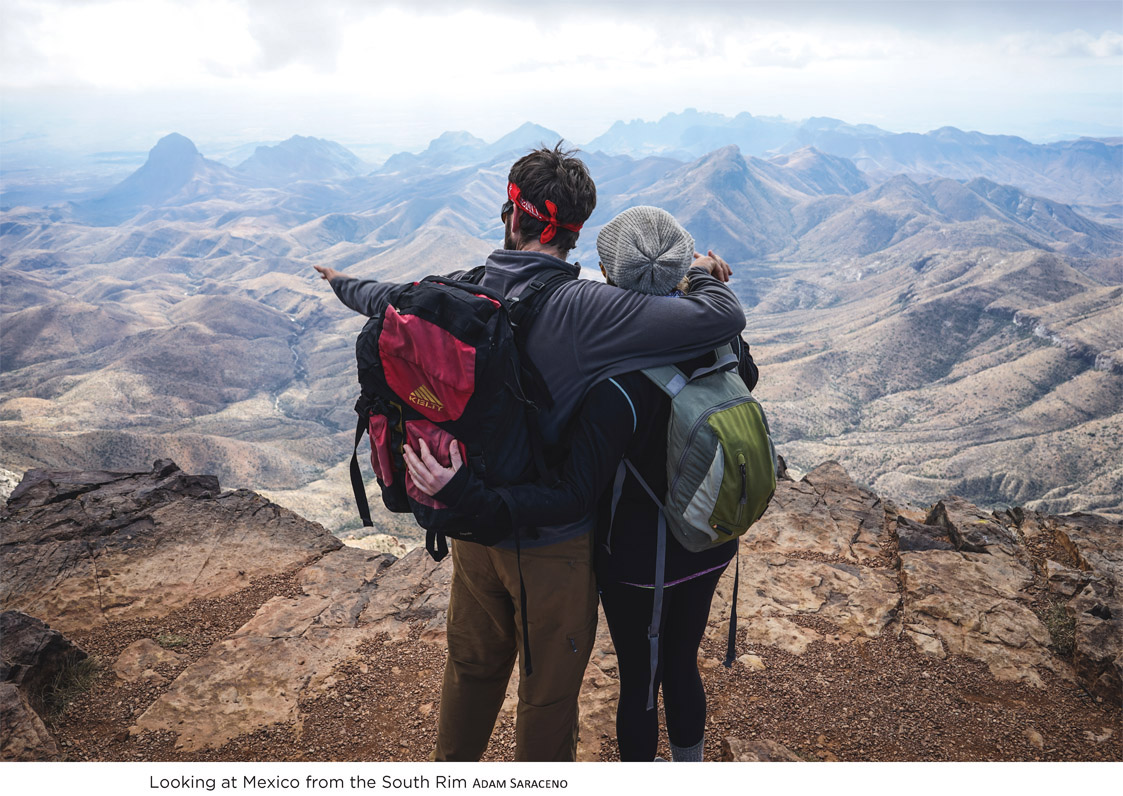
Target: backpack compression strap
(436,544)
(731,645)
(356,475)
(522,607)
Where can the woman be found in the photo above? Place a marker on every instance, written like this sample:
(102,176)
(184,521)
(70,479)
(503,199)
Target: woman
(646,250)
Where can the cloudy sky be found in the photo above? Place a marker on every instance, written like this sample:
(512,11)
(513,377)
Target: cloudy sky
(116,74)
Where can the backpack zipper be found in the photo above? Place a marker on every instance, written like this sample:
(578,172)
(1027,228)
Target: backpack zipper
(744,488)
(740,399)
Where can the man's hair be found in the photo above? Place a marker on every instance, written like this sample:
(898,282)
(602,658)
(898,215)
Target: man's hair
(554,174)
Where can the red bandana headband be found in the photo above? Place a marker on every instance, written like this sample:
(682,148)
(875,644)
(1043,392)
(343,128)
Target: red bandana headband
(551,221)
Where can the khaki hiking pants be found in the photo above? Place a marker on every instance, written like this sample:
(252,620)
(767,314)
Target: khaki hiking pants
(485,638)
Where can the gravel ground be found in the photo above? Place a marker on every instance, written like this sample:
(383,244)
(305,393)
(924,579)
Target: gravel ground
(868,700)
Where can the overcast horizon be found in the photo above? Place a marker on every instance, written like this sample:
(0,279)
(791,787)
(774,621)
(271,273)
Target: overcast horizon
(96,75)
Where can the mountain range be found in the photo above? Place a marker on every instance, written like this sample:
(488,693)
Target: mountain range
(460,148)
(934,333)
(1085,171)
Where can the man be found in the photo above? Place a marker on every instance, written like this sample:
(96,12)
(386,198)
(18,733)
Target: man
(586,332)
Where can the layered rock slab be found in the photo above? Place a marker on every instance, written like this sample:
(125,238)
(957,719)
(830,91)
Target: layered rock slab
(969,593)
(33,660)
(809,560)
(1096,609)
(978,599)
(24,736)
(87,548)
(975,605)
(824,513)
(290,649)
(142,659)
(33,655)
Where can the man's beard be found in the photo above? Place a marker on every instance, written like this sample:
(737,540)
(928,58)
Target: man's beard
(508,238)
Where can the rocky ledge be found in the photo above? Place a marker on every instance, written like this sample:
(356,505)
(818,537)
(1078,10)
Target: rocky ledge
(220,626)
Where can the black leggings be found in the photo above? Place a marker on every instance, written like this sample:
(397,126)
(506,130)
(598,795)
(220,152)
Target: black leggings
(686,607)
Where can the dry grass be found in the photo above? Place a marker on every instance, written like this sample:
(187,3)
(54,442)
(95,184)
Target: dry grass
(72,680)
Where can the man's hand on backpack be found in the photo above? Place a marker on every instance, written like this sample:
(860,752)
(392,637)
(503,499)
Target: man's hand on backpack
(717,267)
(429,475)
(329,273)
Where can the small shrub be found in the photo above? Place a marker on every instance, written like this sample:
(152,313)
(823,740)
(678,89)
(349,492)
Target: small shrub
(1061,627)
(172,640)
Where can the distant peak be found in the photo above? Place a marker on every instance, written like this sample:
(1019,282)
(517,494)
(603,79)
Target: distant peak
(732,151)
(529,127)
(824,123)
(454,138)
(308,143)
(173,145)
(983,184)
(451,142)
(804,156)
(723,169)
(526,133)
(948,132)
(457,135)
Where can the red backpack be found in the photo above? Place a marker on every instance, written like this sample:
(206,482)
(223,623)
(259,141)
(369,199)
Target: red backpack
(441,361)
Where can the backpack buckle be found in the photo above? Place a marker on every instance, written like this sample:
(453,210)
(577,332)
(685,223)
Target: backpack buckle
(515,306)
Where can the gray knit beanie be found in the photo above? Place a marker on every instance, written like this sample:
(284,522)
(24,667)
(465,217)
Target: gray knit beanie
(646,250)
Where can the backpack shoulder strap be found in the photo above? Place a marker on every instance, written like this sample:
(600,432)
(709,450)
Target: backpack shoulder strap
(660,577)
(475,276)
(523,312)
(525,306)
(671,379)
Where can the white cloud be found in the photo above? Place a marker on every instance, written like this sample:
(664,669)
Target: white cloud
(128,44)
(298,32)
(388,69)
(1067,44)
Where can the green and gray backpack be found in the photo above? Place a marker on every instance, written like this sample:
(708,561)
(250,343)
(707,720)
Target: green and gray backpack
(721,465)
(721,470)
